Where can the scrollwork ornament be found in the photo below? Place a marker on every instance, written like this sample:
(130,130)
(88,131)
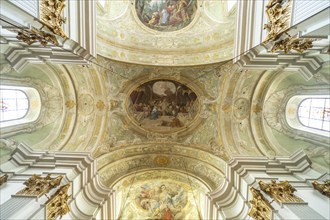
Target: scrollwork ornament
(281,192)
(31,36)
(293,43)
(278,14)
(58,205)
(38,186)
(260,207)
(51,16)
(323,188)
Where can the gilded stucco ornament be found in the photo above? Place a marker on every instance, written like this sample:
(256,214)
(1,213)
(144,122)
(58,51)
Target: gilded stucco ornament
(58,205)
(281,192)
(323,188)
(51,16)
(38,186)
(293,43)
(33,35)
(278,13)
(260,207)
(161,160)
(3,178)
(100,105)
(70,104)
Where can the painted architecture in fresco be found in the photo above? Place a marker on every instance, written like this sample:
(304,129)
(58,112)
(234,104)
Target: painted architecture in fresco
(166,15)
(163,105)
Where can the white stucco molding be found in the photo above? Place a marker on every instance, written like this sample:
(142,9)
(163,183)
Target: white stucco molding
(231,198)
(259,58)
(90,197)
(78,48)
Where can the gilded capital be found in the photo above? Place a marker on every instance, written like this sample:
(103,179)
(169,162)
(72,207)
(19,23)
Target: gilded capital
(281,192)
(38,186)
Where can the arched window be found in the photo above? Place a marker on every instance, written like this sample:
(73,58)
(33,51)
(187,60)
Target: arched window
(310,113)
(14,104)
(18,105)
(315,113)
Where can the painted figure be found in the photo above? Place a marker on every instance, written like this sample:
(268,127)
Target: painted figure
(154,113)
(166,15)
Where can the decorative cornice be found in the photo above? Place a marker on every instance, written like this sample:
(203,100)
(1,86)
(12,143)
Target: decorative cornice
(259,58)
(72,166)
(21,55)
(242,172)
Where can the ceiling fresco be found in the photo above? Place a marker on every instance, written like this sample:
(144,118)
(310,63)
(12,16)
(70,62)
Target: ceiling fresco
(165,32)
(163,106)
(159,195)
(166,15)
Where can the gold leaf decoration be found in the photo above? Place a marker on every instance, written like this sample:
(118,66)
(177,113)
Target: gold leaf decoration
(58,205)
(51,16)
(38,186)
(323,188)
(260,207)
(31,36)
(282,192)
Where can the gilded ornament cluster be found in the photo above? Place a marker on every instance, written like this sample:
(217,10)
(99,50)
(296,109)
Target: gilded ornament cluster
(281,192)
(38,186)
(33,35)
(323,188)
(57,204)
(50,17)
(278,14)
(3,178)
(260,207)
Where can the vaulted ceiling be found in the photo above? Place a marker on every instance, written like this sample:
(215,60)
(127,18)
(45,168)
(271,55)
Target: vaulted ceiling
(209,109)
(208,38)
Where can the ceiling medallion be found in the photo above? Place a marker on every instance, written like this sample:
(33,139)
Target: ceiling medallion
(162,106)
(161,160)
(166,15)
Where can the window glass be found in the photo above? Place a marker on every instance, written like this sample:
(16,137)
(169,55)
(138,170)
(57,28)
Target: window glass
(315,113)
(14,104)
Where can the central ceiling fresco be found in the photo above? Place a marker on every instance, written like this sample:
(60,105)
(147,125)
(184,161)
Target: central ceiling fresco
(166,15)
(163,106)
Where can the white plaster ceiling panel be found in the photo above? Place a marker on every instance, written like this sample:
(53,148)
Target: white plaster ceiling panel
(207,39)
